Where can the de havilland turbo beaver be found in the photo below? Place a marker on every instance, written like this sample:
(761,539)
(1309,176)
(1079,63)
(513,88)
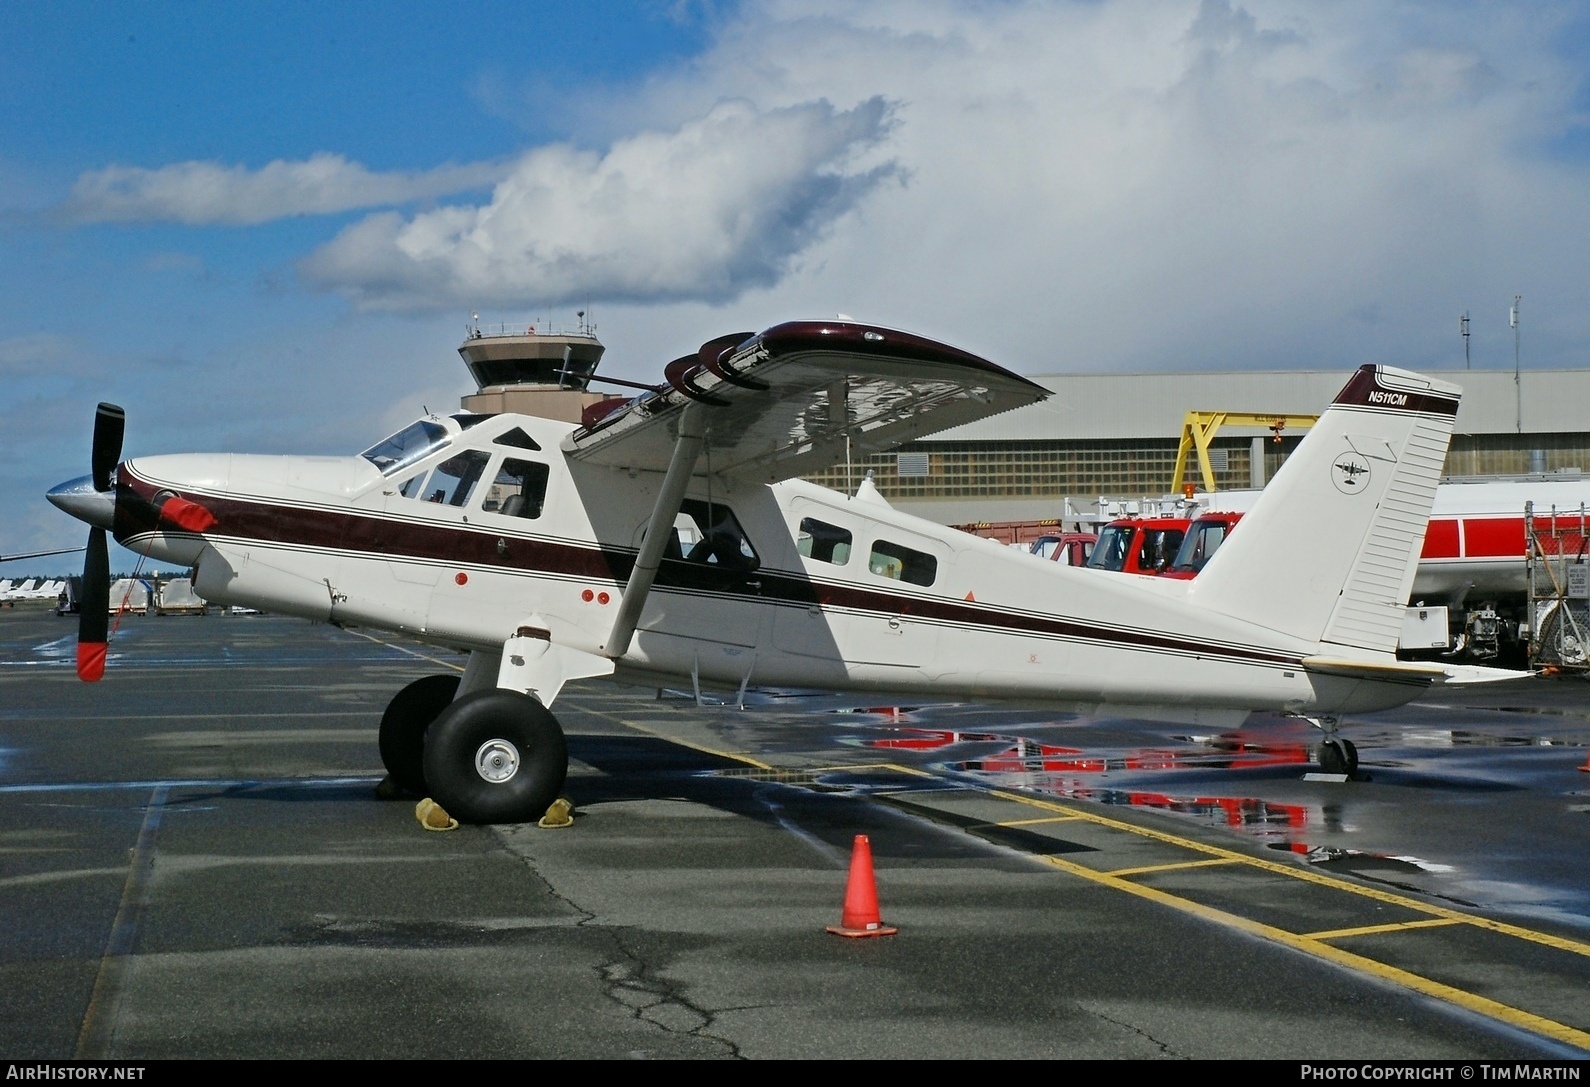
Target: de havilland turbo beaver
(664,539)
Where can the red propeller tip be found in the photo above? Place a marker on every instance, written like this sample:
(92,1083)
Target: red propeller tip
(188,515)
(91,661)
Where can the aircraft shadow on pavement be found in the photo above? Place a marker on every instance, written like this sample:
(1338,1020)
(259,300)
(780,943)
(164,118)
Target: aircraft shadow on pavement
(650,768)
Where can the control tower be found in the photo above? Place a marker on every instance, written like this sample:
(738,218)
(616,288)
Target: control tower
(532,371)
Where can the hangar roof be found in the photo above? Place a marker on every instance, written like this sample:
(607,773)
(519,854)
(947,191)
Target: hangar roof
(1125,406)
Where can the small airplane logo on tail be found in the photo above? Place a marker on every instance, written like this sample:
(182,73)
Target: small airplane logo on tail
(1350,473)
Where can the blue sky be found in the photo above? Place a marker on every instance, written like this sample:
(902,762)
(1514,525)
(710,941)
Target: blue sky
(261,227)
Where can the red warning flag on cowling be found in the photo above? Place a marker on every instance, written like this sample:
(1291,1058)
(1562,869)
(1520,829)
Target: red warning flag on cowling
(188,515)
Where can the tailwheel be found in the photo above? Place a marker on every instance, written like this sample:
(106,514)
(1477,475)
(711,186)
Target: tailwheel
(403,728)
(1338,756)
(495,756)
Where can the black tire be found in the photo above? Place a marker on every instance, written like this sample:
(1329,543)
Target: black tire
(495,757)
(403,728)
(1352,756)
(1333,757)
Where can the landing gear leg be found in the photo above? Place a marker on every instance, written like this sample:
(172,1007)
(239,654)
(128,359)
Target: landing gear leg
(496,754)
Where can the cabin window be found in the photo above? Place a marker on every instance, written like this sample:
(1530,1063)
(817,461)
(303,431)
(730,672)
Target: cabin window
(902,563)
(406,446)
(455,478)
(519,489)
(709,533)
(822,541)
(517,438)
(411,488)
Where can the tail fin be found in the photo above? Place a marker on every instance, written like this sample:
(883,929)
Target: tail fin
(1328,551)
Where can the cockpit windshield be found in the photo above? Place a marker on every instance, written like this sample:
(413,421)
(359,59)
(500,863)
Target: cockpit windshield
(1199,546)
(407,446)
(1111,550)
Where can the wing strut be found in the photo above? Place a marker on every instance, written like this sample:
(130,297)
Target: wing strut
(670,498)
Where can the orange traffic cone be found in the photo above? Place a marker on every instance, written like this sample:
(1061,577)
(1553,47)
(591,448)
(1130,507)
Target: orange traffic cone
(1586,766)
(860,916)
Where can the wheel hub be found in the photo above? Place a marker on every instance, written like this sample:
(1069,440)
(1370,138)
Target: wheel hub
(497,761)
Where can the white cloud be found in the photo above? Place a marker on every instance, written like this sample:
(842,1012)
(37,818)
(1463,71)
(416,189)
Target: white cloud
(37,353)
(204,193)
(1166,183)
(719,205)
(1081,185)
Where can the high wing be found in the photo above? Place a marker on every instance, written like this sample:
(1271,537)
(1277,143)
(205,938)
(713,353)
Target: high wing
(783,403)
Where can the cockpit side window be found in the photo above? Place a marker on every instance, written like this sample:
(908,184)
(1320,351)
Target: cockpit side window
(518,439)
(453,480)
(714,537)
(1158,548)
(518,490)
(407,446)
(411,488)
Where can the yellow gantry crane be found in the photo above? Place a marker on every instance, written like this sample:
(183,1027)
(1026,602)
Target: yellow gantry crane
(1199,428)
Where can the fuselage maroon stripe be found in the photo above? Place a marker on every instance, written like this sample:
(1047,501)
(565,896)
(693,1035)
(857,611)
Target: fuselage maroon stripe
(363,534)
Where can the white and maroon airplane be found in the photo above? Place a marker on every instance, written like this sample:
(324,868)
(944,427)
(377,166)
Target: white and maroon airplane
(669,540)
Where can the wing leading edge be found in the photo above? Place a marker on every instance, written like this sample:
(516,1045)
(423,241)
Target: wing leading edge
(782,403)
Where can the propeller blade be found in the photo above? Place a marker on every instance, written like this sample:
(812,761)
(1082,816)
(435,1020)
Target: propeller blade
(93,621)
(110,423)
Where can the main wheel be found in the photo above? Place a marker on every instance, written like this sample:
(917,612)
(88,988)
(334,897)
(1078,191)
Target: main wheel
(404,724)
(495,757)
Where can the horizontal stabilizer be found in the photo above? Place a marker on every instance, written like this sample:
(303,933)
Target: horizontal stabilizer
(802,397)
(1411,671)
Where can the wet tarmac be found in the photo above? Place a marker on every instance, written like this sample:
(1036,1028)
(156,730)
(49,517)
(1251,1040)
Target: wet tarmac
(193,864)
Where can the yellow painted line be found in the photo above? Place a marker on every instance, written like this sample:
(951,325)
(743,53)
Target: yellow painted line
(192,716)
(1120,873)
(1035,822)
(1308,945)
(735,755)
(1544,938)
(1371,930)
(908,770)
(895,767)
(404,649)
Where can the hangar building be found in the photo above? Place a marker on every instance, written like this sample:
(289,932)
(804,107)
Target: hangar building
(1117,435)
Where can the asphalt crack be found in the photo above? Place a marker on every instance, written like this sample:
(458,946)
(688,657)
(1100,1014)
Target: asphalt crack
(630,982)
(1163,1047)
